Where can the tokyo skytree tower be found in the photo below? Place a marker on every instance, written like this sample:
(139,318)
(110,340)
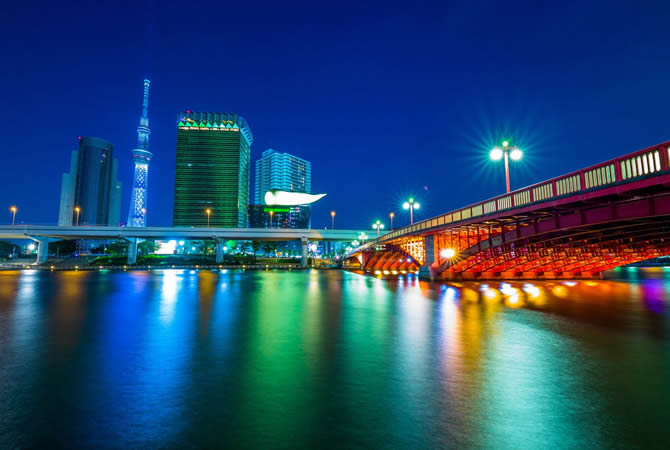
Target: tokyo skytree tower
(137,215)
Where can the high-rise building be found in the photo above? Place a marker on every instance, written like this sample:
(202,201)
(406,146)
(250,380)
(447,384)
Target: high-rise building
(269,216)
(91,186)
(137,214)
(212,170)
(67,192)
(282,171)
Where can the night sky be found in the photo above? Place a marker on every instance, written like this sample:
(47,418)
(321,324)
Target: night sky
(386,99)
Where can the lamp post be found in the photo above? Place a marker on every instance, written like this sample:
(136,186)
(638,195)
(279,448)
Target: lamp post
(332,220)
(77,210)
(362,237)
(144,216)
(271,214)
(378,226)
(506,152)
(411,205)
(208,212)
(13,209)
(391,216)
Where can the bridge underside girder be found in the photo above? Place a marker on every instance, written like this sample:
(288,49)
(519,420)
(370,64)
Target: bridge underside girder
(390,258)
(579,243)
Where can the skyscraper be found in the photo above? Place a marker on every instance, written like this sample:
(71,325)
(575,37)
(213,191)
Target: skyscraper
(212,170)
(137,214)
(91,185)
(67,192)
(281,171)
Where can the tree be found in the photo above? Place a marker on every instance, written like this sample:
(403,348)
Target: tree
(63,248)
(255,246)
(244,247)
(117,247)
(147,247)
(7,248)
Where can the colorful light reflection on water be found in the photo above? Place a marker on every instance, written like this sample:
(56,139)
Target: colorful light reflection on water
(329,359)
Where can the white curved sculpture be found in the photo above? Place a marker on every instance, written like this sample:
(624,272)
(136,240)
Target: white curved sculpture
(285,198)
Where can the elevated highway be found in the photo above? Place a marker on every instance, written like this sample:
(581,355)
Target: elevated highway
(43,234)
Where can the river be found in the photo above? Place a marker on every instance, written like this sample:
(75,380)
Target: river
(331,359)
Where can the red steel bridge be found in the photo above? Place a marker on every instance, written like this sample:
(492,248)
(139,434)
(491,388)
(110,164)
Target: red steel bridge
(576,225)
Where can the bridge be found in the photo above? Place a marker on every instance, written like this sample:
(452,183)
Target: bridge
(43,234)
(576,225)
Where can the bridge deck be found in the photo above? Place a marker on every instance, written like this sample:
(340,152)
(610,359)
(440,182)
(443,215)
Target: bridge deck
(642,169)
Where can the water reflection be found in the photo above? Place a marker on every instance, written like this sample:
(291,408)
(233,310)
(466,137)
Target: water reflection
(329,359)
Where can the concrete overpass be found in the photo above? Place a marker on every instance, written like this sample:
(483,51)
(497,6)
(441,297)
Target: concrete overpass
(43,234)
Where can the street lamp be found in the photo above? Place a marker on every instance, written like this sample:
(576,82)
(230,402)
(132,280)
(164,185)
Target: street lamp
(391,216)
(378,226)
(506,152)
(362,237)
(13,209)
(411,205)
(332,220)
(271,214)
(448,253)
(77,210)
(208,212)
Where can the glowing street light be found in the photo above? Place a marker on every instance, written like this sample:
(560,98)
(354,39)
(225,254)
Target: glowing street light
(448,253)
(378,226)
(506,152)
(208,212)
(411,205)
(332,220)
(362,237)
(271,214)
(77,210)
(391,216)
(13,209)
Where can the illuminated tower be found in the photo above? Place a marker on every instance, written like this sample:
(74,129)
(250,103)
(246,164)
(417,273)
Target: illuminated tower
(141,156)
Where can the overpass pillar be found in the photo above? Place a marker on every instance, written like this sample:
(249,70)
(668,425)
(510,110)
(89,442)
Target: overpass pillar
(219,250)
(430,257)
(303,259)
(42,248)
(42,252)
(132,250)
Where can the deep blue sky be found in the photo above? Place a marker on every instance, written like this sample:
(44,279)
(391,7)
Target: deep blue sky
(386,99)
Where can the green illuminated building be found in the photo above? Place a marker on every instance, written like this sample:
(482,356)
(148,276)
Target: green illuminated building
(213,153)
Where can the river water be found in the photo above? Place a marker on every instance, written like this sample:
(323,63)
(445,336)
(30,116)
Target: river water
(331,359)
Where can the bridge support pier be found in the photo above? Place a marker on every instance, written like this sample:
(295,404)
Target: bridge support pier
(219,250)
(430,258)
(132,250)
(42,248)
(303,259)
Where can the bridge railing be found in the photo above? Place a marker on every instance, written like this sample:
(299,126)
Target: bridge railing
(634,166)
